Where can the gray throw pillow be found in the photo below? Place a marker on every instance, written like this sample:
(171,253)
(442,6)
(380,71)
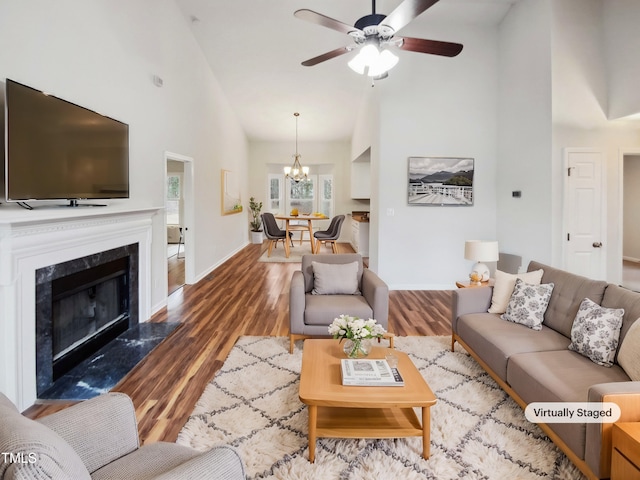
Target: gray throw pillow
(335,278)
(595,332)
(38,451)
(528,304)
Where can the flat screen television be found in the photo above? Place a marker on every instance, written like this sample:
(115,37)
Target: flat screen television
(57,150)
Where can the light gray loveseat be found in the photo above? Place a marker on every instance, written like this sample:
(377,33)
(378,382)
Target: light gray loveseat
(311,314)
(98,439)
(537,366)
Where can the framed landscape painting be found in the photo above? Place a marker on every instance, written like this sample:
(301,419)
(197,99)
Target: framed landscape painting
(440,181)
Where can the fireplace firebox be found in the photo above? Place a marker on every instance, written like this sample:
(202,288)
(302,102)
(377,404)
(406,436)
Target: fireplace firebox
(82,305)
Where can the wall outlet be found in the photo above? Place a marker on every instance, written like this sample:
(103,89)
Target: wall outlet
(390,212)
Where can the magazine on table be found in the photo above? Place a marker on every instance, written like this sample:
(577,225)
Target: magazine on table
(373,373)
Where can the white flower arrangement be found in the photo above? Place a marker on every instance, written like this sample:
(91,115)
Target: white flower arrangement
(354,328)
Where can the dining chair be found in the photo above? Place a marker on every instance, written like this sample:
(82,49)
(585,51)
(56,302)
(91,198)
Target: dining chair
(273,232)
(330,235)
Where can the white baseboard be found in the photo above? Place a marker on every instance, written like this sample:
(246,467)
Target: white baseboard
(220,262)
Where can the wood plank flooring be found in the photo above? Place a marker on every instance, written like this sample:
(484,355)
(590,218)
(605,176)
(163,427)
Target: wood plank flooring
(241,297)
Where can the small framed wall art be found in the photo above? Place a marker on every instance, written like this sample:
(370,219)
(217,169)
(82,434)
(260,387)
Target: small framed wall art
(440,181)
(230,193)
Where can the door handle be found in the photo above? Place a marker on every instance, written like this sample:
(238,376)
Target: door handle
(597,244)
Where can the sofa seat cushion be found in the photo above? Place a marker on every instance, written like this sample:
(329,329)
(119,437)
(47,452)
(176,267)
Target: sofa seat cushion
(560,376)
(495,340)
(147,462)
(319,311)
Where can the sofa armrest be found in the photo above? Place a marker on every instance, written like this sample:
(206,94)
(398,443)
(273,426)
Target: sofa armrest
(598,442)
(100,430)
(376,293)
(221,463)
(469,300)
(297,302)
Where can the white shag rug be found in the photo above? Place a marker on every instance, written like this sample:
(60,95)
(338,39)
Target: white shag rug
(477,430)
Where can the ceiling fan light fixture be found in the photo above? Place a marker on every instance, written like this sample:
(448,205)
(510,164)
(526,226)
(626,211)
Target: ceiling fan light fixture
(385,62)
(357,64)
(369,54)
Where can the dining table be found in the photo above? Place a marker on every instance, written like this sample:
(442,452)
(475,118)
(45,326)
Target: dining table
(288,228)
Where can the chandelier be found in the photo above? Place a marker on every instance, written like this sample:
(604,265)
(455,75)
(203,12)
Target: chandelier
(296,172)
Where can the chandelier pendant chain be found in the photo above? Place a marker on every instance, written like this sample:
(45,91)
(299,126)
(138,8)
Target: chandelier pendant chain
(296,172)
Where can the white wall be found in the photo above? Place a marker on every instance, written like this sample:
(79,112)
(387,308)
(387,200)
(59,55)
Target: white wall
(435,106)
(524,131)
(622,44)
(102,55)
(580,102)
(631,201)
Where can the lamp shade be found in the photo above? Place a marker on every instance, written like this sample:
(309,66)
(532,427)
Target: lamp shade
(481,251)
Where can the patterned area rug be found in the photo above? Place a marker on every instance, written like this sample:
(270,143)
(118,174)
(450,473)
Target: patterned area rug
(477,431)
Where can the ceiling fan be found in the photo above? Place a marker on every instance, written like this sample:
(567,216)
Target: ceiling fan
(372,34)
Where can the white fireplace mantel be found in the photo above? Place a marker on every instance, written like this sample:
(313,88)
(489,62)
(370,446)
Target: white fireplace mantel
(30,240)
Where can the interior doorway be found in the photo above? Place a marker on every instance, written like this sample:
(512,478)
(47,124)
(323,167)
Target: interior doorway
(178,220)
(630,173)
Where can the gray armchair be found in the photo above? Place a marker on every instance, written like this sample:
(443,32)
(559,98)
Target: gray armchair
(310,314)
(98,439)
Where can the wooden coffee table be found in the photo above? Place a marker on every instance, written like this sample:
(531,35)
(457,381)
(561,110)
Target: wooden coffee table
(336,411)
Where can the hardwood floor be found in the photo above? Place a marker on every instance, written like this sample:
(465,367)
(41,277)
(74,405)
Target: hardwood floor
(241,297)
(175,272)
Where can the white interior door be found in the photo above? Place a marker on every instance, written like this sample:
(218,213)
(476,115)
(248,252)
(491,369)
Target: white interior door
(584,218)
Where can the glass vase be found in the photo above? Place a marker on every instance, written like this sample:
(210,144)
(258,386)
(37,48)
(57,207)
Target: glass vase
(357,348)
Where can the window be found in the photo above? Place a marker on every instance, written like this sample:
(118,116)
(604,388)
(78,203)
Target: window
(312,195)
(301,196)
(325,192)
(276,193)
(174,194)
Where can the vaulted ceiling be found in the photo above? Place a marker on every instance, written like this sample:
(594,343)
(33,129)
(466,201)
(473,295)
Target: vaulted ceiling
(255,49)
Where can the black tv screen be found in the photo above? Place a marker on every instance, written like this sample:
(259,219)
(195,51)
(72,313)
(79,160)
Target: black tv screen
(58,150)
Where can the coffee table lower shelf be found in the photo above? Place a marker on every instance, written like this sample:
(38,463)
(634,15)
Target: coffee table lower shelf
(340,422)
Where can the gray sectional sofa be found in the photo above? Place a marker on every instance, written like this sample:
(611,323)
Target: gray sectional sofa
(537,365)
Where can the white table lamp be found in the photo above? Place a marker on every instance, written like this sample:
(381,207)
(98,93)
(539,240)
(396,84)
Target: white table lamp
(480,252)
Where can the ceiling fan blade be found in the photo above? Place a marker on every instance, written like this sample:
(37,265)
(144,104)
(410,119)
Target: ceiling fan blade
(405,12)
(434,47)
(323,20)
(326,56)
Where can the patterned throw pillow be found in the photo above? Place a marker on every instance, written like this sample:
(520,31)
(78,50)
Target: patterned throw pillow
(505,283)
(528,304)
(595,332)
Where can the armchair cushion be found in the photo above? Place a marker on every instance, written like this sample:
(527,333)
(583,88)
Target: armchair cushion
(39,451)
(335,279)
(113,432)
(320,311)
(148,462)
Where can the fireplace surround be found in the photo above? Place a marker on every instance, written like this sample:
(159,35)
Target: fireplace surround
(81,305)
(37,239)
